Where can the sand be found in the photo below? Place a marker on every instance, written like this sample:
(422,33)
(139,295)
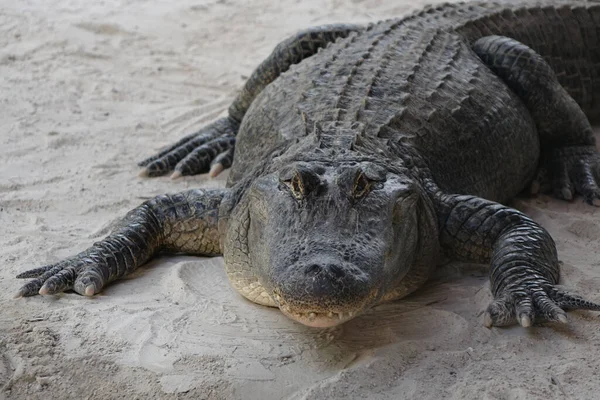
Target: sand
(89,88)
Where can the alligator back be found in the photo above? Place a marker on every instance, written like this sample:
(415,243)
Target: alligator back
(417,81)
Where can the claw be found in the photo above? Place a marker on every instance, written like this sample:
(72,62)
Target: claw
(176,175)
(144,173)
(215,170)
(566,194)
(525,321)
(487,320)
(562,318)
(89,290)
(44,290)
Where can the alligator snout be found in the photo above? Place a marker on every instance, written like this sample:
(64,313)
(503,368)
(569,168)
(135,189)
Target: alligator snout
(323,292)
(332,281)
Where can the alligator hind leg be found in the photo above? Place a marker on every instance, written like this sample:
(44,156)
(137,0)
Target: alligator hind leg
(212,147)
(569,161)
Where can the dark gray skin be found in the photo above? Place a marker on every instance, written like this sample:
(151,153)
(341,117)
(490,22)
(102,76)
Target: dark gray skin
(363,155)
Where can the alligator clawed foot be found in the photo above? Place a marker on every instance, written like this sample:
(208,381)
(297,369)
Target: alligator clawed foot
(528,302)
(83,273)
(208,150)
(568,171)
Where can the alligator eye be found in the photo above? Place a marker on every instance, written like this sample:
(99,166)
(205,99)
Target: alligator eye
(296,186)
(362,185)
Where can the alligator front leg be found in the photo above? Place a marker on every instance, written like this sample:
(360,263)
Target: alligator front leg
(524,265)
(213,146)
(185,222)
(570,162)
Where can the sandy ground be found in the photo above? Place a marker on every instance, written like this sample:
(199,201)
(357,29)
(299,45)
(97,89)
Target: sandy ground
(89,88)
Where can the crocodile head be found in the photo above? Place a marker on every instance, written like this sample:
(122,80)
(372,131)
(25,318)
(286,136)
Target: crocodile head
(325,241)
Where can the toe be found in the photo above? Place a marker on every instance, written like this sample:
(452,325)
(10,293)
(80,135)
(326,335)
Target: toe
(167,162)
(585,183)
(33,287)
(168,149)
(221,162)
(563,188)
(35,273)
(570,301)
(548,309)
(61,281)
(199,160)
(500,312)
(90,281)
(525,312)
(30,288)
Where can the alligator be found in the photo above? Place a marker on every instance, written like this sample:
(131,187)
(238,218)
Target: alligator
(365,156)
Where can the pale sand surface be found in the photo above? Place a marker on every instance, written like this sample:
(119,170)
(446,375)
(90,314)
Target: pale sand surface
(87,89)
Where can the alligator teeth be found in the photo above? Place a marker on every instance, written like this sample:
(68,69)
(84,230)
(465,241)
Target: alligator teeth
(341,316)
(330,314)
(312,316)
(351,314)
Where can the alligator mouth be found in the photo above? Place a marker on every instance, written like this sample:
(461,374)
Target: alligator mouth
(318,319)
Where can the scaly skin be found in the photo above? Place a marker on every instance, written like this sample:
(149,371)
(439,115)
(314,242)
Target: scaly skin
(364,154)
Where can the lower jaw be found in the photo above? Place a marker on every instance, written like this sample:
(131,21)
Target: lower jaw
(319,319)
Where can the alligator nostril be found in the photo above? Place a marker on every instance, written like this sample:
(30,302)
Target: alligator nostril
(336,271)
(331,270)
(313,269)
